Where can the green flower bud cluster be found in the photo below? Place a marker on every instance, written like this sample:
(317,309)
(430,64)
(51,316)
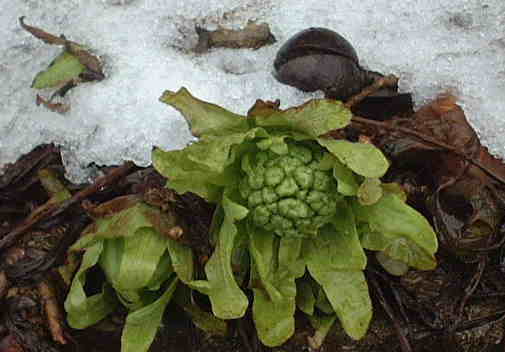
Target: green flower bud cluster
(289,194)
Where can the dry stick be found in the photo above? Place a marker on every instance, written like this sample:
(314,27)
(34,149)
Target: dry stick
(404,341)
(474,282)
(6,180)
(386,81)
(53,312)
(100,183)
(4,284)
(428,139)
(54,209)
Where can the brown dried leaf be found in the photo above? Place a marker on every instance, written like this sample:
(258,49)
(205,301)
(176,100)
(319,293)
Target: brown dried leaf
(92,63)
(252,36)
(261,108)
(23,173)
(60,108)
(41,34)
(467,203)
(446,121)
(89,60)
(113,206)
(454,177)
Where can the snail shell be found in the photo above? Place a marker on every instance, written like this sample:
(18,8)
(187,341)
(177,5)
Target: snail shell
(321,59)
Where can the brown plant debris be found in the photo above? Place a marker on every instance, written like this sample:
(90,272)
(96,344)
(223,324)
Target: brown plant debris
(53,312)
(252,36)
(92,63)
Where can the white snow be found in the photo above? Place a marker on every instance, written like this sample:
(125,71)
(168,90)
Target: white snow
(434,46)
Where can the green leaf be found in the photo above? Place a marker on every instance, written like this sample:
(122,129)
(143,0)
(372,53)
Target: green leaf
(392,266)
(277,263)
(346,180)
(84,311)
(63,69)
(206,166)
(110,259)
(181,259)
(134,256)
(131,265)
(227,299)
(305,299)
(142,325)
(240,261)
(322,302)
(125,224)
(274,320)
(348,294)
(276,144)
(362,158)
(335,260)
(394,188)
(164,270)
(370,191)
(202,319)
(206,321)
(205,118)
(185,175)
(322,324)
(139,259)
(338,246)
(314,118)
(398,230)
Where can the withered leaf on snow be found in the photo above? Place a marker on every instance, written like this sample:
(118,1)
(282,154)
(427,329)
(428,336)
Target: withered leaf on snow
(252,36)
(75,64)
(56,107)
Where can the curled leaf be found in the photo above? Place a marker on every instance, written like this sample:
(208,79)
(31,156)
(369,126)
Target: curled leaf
(398,230)
(392,266)
(346,180)
(142,325)
(41,34)
(276,263)
(227,299)
(75,61)
(314,118)
(84,311)
(204,118)
(370,191)
(362,158)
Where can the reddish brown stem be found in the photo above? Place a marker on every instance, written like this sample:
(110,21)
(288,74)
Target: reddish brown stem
(53,311)
(386,81)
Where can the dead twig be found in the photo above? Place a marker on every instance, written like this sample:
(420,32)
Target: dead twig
(53,209)
(472,286)
(53,312)
(404,341)
(4,284)
(386,81)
